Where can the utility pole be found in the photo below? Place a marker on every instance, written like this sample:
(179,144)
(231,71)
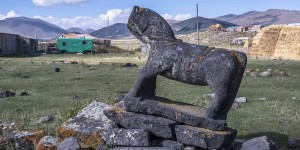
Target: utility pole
(107,27)
(197,22)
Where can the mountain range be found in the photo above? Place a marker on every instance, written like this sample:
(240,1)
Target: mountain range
(31,27)
(78,30)
(268,17)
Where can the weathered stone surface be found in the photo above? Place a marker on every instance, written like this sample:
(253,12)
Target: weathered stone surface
(47,143)
(143,148)
(235,106)
(28,139)
(70,143)
(159,126)
(259,143)
(205,138)
(127,137)
(184,62)
(172,144)
(177,111)
(294,143)
(88,126)
(262,99)
(4,94)
(266,73)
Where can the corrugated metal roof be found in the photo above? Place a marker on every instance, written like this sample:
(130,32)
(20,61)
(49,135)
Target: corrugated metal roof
(73,35)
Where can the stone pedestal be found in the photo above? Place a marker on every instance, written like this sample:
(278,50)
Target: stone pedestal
(177,111)
(173,125)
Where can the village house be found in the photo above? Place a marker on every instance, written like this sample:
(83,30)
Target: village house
(11,42)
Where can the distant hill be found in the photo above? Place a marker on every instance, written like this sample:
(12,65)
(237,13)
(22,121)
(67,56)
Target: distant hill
(118,30)
(268,17)
(189,25)
(79,30)
(28,26)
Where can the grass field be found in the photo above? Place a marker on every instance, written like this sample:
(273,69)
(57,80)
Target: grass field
(51,92)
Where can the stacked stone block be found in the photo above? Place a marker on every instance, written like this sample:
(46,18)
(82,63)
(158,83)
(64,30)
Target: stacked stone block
(160,123)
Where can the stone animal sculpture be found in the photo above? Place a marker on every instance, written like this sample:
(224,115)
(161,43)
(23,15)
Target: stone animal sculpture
(218,68)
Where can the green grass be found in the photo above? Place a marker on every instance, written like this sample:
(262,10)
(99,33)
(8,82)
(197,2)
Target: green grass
(51,93)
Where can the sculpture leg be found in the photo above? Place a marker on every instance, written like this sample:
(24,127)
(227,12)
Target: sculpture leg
(216,106)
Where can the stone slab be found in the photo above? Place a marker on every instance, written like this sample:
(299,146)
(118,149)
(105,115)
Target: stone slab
(159,126)
(143,148)
(205,138)
(127,137)
(177,111)
(88,126)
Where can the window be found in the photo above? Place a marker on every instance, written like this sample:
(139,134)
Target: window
(84,42)
(64,43)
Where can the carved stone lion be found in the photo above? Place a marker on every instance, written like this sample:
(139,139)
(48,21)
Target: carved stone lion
(218,68)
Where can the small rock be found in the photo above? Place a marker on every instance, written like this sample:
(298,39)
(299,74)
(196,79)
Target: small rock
(4,94)
(279,73)
(262,99)
(57,69)
(75,97)
(28,139)
(89,126)
(240,100)
(205,138)
(24,93)
(91,68)
(129,65)
(127,137)
(45,119)
(19,110)
(265,74)
(209,96)
(47,143)
(294,98)
(294,143)
(70,143)
(259,143)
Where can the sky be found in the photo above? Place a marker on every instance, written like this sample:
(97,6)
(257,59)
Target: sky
(95,13)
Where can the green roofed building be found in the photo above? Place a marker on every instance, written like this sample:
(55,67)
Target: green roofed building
(74,45)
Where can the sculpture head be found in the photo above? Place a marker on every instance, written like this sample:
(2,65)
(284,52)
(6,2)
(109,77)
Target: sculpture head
(145,24)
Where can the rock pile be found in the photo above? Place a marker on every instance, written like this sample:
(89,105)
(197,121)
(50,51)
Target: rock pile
(158,122)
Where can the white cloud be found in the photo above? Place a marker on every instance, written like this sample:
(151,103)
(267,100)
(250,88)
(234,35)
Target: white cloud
(181,17)
(178,17)
(11,13)
(55,2)
(84,22)
(167,16)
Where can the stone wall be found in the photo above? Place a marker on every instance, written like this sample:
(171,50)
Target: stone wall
(277,42)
